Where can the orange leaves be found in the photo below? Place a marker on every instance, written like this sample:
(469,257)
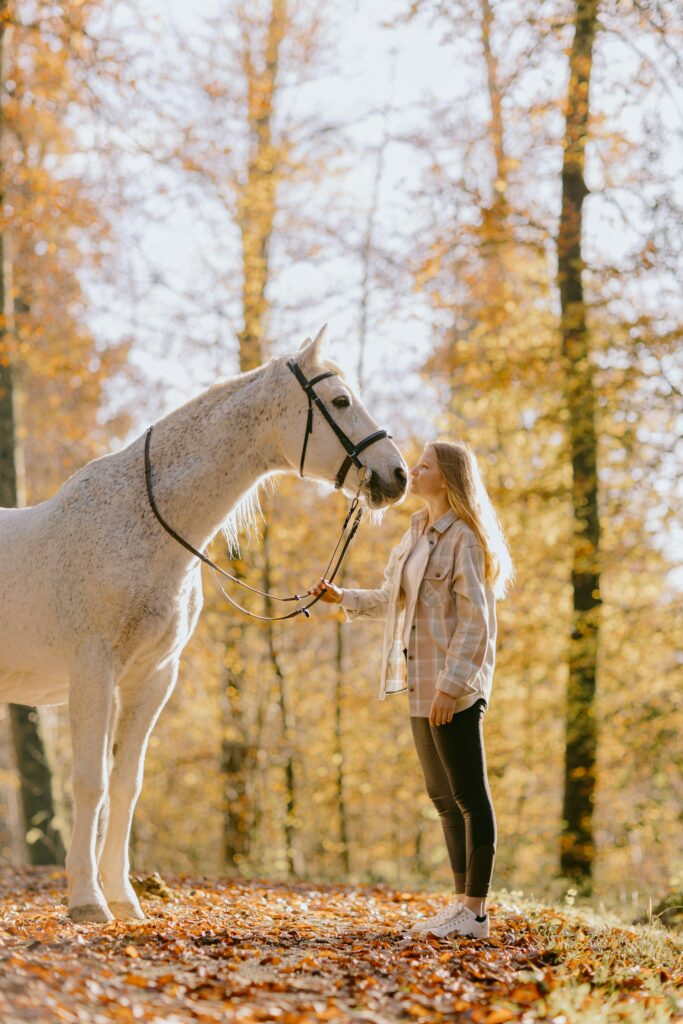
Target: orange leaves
(136,979)
(59,231)
(524,995)
(302,954)
(496,1016)
(418,1011)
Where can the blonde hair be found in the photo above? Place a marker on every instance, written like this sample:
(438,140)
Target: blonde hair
(468,498)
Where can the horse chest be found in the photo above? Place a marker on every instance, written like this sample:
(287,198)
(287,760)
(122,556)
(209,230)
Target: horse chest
(155,629)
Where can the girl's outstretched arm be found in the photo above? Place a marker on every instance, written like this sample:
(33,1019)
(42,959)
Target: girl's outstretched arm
(367,604)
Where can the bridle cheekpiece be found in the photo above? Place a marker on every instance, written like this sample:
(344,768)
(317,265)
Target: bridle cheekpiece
(352,450)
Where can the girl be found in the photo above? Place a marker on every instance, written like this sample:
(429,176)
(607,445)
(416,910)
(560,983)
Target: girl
(438,600)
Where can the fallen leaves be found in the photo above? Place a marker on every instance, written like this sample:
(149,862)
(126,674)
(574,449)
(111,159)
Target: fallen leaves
(253,952)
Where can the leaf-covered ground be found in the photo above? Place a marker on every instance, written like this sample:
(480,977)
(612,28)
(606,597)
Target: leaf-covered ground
(251,951)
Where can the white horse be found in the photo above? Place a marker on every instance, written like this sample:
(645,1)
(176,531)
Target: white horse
(97,601)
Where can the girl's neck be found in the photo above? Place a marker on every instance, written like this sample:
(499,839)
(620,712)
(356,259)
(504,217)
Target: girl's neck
(436,507)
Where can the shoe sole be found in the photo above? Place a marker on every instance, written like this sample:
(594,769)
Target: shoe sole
(455,932)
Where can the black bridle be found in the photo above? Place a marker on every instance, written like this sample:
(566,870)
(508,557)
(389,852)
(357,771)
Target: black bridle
(352,449)
(349,526)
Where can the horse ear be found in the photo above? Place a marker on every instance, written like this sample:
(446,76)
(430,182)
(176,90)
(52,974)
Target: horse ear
(310,351)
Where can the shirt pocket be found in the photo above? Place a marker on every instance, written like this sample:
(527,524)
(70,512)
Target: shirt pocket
(434,586)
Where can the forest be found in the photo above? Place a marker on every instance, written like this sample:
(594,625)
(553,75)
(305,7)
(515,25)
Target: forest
(484,201)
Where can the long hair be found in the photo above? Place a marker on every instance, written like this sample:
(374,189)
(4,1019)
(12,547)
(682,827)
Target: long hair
(468,498)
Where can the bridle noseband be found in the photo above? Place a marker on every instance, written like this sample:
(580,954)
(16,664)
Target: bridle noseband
(348,529)
(352,449)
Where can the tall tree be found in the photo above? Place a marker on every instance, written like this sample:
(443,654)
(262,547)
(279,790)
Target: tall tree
(43,840)
(577,839)
(496,374)
(483,234)
(259,38)
(257,206)
(58,234)
(257,202)
(8,469)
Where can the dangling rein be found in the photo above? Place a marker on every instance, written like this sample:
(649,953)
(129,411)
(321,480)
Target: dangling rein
(350,524)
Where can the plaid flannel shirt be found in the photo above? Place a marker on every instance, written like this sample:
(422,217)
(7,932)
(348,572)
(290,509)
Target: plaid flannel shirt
(452,644)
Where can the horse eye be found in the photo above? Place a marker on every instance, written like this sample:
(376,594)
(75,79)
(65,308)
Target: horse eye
(341,403)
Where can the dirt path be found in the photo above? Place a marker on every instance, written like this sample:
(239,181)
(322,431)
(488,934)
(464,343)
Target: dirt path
(257,951)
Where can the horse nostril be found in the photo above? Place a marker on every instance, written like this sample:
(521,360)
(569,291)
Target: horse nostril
(401,476)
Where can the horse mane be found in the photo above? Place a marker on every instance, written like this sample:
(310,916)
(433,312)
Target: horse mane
(244,517)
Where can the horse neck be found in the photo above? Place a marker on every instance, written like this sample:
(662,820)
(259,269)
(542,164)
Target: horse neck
(206,455)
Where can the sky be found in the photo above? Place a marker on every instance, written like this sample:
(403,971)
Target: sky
(376,81)
(394,71)
(366,68)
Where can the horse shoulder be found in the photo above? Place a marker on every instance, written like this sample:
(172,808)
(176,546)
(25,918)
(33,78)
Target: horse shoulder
(161,621)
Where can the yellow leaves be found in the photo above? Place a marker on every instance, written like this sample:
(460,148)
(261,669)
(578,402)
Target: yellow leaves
(432,264)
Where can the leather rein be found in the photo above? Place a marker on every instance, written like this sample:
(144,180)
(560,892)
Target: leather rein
(351,521)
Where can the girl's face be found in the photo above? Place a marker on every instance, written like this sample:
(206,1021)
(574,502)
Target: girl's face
(426,479)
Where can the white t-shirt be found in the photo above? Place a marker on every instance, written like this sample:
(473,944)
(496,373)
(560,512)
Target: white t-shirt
(413,570)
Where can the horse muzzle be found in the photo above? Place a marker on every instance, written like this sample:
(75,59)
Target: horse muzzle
(381,492)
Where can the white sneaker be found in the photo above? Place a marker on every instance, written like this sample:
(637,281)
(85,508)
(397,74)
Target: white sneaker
(445,914)
(466,923)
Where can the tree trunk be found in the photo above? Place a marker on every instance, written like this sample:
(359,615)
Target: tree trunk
(577,846)
(258,200)
(44,842)
(12,847)
(344,850)
(256,213)
(295,863)
(236,755)
(256,210)
(495,100)
(8,470)
(494,217)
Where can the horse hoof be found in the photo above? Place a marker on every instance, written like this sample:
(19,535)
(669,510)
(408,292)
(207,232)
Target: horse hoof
(90,913)
(124,911)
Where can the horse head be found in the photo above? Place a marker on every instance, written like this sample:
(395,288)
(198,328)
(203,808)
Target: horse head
(338,417)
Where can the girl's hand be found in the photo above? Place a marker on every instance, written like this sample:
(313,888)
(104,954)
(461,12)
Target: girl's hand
(331,594)
(441,711)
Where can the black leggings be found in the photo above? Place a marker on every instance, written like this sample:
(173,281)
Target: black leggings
(454,765)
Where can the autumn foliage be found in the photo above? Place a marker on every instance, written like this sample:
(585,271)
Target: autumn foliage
(306,953)
(440,221)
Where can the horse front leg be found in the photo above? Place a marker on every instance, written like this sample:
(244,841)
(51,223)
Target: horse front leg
(139,709)
(90,704)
